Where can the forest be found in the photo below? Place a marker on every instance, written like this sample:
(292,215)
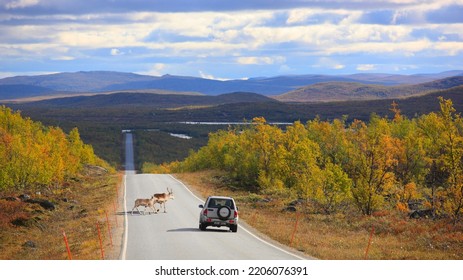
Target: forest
(34,156)
(396,163)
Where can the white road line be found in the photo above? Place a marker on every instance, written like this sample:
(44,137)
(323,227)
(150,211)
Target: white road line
(250,233)
(126,222)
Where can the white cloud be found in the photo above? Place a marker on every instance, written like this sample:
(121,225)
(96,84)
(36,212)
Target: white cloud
(156,69)
(116,52)
(292,39)
(261,60)
(329,63)
(366,67)
(20,4)
(210,77)
(63,58)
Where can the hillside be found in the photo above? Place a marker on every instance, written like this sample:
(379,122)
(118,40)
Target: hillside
(107,81)
(12,91)
(148,99)
(342,91)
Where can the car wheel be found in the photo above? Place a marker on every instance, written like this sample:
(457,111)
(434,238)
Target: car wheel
(202,227)
(234,228)
(224,212)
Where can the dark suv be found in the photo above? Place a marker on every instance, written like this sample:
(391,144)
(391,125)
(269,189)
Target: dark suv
(219,211)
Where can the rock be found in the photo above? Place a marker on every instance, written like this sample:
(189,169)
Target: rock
(297,202)
(95,170)
(24,197)
(290,209)
(20,222)
(42,202)
(83,213)
(428,213)
(29,244)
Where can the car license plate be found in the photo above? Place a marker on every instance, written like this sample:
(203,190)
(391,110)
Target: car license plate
(220,224)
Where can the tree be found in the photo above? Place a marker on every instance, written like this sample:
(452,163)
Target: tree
(373,157)
(334,188)
(452,158)
(409,171)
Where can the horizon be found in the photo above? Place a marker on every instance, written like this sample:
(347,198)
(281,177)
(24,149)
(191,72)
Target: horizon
(229,41)
(244,78)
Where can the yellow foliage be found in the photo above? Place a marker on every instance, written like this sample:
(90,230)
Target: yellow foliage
(402,207)
(372,164)
(34,155)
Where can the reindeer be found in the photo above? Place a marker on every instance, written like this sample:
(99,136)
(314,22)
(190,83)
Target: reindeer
(162,198)
(147,203)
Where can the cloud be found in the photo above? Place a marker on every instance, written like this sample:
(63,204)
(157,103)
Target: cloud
(329,63)
(63,58)
(19,4)
(194,37)
(210,77)
(366,67)
(261,60)
(156,69)
(116,52)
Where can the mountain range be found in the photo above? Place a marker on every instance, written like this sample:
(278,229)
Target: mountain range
(295,88)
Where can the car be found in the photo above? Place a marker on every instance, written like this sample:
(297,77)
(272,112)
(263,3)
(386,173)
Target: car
(219,211)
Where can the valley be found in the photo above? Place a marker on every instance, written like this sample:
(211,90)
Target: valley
(101,116)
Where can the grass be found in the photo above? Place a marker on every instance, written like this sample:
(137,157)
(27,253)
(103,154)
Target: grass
(342,236)
(30,232)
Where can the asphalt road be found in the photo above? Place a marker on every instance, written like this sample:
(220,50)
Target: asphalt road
(175,235)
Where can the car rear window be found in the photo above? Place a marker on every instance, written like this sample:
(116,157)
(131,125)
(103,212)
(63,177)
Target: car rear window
(219,202)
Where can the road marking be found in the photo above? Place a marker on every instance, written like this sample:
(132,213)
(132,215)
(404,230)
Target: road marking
(126,221)
(243,228)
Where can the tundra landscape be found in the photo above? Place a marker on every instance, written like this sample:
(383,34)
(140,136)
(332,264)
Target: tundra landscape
(344,169)
(248,134)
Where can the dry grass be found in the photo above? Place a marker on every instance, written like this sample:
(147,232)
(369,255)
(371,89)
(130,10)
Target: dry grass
(30,232)
(340,236)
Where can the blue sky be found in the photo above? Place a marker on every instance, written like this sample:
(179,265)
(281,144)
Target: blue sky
(221,39)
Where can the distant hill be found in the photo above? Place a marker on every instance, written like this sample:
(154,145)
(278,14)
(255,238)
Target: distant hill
(104,81)
(148,99)
(12,91)
(342,91)
(392,79)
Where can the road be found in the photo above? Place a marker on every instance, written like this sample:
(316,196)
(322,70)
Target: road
(175,235)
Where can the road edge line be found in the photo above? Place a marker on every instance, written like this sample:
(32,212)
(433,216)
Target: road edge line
(126,222)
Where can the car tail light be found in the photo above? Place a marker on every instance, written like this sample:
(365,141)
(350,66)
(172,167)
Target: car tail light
(236,214)
(205,212)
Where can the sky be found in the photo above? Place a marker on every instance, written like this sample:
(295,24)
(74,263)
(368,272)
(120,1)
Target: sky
(224,39)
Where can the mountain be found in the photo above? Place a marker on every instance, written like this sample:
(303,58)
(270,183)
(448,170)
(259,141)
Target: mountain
(92,81)
(12,91)
(104,81)
(390,80)
(125,99)
(342,91)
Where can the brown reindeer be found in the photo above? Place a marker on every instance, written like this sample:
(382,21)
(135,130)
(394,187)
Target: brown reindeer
(162,198)
(145,202)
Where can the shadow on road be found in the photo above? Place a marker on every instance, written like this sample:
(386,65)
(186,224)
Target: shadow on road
(135,213)
(196,230)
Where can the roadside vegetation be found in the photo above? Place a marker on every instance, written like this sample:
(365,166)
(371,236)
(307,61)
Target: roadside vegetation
(50,182)
(350,177)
